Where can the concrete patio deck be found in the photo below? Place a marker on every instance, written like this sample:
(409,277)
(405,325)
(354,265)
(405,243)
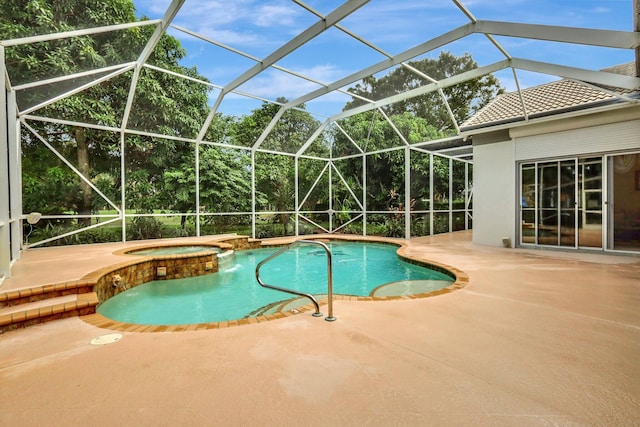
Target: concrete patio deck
(535,338)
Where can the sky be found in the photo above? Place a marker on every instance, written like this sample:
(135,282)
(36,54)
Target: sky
(259,27)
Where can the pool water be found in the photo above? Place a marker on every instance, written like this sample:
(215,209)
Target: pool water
(233,293)
(175,250)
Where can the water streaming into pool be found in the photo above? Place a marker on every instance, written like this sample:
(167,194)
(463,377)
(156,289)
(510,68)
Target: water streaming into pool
(233,293)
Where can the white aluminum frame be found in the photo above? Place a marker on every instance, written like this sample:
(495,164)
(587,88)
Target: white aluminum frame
(5,181)
(11,215)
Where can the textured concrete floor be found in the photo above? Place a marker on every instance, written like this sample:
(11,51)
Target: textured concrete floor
(536,338)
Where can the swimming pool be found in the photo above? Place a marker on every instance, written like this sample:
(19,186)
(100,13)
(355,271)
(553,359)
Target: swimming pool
(358,269)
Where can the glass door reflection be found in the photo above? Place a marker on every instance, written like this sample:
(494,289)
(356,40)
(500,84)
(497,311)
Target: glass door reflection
(528,204)
(548,198)
(624,202)
(590,203)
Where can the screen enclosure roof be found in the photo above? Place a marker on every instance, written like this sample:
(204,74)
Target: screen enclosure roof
(308,54)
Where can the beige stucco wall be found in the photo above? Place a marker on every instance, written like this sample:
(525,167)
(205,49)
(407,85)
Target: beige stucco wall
(493,193)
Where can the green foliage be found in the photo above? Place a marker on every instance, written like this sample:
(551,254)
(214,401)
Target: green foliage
(144,227)
(393,227)
(95,235)
(275,174)
(420,225)
(288,135)
(385,170)
(240,224)
(45,181)
(317,198)
(416,129)
(139,228)
(23,18)
(440,222)
(163,104)
(225,180)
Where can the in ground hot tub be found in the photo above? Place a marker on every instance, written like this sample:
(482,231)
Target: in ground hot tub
(173,250)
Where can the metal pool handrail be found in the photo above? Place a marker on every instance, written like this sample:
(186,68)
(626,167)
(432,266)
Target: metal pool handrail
(330,317)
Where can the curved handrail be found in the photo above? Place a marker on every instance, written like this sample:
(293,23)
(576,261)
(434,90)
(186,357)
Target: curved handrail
(282,250)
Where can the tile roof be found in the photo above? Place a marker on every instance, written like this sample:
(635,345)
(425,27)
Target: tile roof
(628,69)
(547,99)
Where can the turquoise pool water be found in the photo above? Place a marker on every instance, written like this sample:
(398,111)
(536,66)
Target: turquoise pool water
(233,293)
(174,250)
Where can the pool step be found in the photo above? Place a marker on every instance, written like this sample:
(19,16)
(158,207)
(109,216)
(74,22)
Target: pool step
(19,310)
(292,305)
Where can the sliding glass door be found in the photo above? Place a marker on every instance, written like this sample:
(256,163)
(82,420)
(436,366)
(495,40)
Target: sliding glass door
(624,202)
(561,203)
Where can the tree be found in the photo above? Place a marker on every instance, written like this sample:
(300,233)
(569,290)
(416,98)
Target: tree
(167,104)
(225,182)
(225,173)
(50,59)
(464,98)
(275,174)
(418,119)
(385,170)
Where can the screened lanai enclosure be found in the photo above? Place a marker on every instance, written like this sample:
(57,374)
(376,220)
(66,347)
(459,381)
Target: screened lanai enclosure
(127,120)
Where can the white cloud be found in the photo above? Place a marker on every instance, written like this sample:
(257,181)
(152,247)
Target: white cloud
(403,23)
(240,23)
(325,73)
(272,84)
(230,37)
(279,14)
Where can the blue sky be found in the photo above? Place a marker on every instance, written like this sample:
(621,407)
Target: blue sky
(258,27)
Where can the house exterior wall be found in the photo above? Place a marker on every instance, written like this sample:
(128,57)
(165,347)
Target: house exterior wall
(496,154)
(494,177)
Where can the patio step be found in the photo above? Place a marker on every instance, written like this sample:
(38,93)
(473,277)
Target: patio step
(43,292)
(23,314)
